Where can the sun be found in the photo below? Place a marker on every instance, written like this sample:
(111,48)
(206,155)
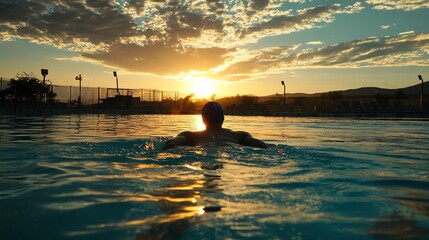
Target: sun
(203,88)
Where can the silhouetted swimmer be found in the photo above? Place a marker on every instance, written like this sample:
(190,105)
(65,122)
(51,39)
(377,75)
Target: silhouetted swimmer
(212,114)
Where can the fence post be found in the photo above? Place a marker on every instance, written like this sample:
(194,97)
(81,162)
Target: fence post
(162,100)
(70,96)
(98,95)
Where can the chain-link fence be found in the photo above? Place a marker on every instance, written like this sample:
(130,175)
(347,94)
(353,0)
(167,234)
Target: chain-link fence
(4,84)
(95,95)
(67,94)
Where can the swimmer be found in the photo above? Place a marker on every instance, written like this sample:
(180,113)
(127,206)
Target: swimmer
(213,117)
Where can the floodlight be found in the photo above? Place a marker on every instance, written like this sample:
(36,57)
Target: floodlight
(44,72)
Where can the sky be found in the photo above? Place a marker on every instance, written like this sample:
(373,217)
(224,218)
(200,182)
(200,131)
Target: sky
(218,47)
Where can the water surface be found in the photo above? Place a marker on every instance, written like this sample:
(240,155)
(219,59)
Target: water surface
(105,177)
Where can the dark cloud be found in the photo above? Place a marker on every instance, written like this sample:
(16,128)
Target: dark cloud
(70,22)
(159,58)
(386,51)
(216,6)
(150,47)
(255,6)
(297,21)
(137,5)
(182,23)
(19,11)
(367,52)
(168,37)
(259,4)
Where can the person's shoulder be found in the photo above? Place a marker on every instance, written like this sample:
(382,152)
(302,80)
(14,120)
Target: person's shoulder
(248,140)
(190,133)
(184,133)
(241,133)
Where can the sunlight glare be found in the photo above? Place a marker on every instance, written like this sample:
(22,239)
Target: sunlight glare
(203,88)
(199,124)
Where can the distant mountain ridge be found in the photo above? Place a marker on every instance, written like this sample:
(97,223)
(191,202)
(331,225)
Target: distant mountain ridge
(366,91)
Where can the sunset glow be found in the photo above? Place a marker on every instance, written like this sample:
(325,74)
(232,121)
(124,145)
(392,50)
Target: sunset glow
(314,46)
(203,88)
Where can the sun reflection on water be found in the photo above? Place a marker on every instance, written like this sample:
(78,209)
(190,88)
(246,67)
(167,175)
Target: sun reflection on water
(198,123)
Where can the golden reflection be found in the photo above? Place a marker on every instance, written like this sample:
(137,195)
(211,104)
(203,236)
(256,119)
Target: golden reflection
(149,146)
(190,167)
(198,123)
(241,176)
(81,192)
(180,205)
(178,200)
(161,219)
(198,184)
(201,212)
(167,155)
(133,167)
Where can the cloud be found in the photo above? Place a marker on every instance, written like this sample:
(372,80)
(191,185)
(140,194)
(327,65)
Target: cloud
(15,11)
(407,32)
(66,24)
(136,5)
(134,35)
(159,58)
(387,51)
(406,50)
(290,23)
(406,5)
(314,43)
(200,36)
(259,4)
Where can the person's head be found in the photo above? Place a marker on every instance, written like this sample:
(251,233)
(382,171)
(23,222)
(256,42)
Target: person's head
(212,114)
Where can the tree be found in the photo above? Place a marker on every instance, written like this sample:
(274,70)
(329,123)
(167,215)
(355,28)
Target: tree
(382,99)
(26,87)
(248,100)
(187,104)
(400,95)
(334,95)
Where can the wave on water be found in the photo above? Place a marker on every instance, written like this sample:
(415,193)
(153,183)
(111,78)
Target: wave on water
(319,186)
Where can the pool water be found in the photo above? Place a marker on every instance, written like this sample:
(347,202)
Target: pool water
(105,177)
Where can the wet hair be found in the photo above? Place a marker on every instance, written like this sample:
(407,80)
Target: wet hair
(212,114)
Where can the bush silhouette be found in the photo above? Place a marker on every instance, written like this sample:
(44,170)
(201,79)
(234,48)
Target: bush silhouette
(27,88)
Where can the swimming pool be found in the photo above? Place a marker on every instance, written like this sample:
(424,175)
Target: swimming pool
(105,177)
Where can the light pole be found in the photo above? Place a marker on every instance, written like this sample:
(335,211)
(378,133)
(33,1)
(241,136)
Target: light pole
(421,95)
(117,86)
(79,78)
(44,73)
(284,94)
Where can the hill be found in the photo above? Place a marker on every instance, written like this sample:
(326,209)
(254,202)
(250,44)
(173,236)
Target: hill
(368,91)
